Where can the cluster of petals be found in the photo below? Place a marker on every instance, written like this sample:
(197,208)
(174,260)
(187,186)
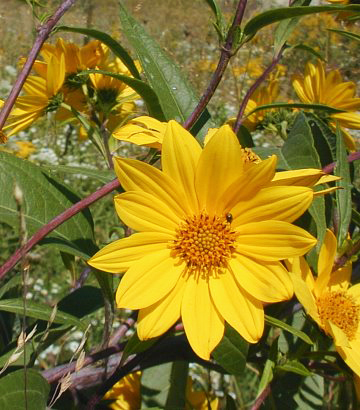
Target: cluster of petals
(318,86)
(245,212)
(330,300)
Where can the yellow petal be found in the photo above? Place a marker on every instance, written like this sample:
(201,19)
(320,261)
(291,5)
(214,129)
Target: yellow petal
(268,282)
(148,280)
(282,203)
(180,156)
(351,356)
(245,187)
(243,312)
(340,338)
(145,212)
(273,240)
(156,319)
(118,256)
(305,296)
(300,177)
(139,176)
(203,324)
(219,165)
(325,262)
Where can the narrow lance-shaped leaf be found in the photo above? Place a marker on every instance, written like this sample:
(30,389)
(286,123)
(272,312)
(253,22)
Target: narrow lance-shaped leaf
(286,27)
(343,195)
(43,198)
(272,16)
(177,98)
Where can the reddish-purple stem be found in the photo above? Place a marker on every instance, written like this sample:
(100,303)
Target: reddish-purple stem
(251,90)
(43,33)
(354,156)
(260,400)
(54,223)
(226,54)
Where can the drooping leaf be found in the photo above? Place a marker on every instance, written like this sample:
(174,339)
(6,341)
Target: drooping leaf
(343,195)
(178,380)
(282,325)
(306,48)
(268,372)
(38,311)
(231,352)
(274,15)
(294,366)
(286,27)
(177,98)
(13,395)
(143,89)
(346,34)
(114,46)
(43,198)
(303,106)
(102,175)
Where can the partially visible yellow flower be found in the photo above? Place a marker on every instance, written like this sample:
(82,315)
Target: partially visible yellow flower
(212,232)
(317,86)
(339,1)
(126,395)
(253,68)
(41,96)
(262,96)
(330,300)
(143,130)
(25,148)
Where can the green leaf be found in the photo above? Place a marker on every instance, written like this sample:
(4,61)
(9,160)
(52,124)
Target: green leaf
(12,391)
(231,352)
(343,195)
(177,98)
(114,46)
(245,137)
(286,27)
(294,366)
(143,89)
(104,176)
(355,217)
(43,198)
(347,34)
(270,363)
(135,345)
(274,15)
(14,281)
(321,107)
(300,152)
(311,394)
(308,49)
(266,152)
(38,311)
(282,325)
(155,383)
(178,380)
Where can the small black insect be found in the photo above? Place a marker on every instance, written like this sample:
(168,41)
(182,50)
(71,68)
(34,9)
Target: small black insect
(229,217)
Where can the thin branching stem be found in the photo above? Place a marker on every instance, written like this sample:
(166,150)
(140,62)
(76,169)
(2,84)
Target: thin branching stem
(225,55)
(43,33)
(54,223)
(253,88)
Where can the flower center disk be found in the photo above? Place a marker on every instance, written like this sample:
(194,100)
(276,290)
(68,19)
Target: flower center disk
(341,309)
(205,243)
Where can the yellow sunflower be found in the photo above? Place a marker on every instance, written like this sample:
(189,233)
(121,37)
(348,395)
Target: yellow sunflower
(330,300)
(41,96)
(317,86)
(211,237)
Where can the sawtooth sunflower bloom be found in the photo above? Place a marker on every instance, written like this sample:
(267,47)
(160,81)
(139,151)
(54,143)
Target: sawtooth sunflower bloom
(330,300)
(42,95)
(317,86)
(211,237)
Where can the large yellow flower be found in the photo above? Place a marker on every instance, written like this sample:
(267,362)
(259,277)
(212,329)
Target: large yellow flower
(211,237)
(330,301)
(317,86)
